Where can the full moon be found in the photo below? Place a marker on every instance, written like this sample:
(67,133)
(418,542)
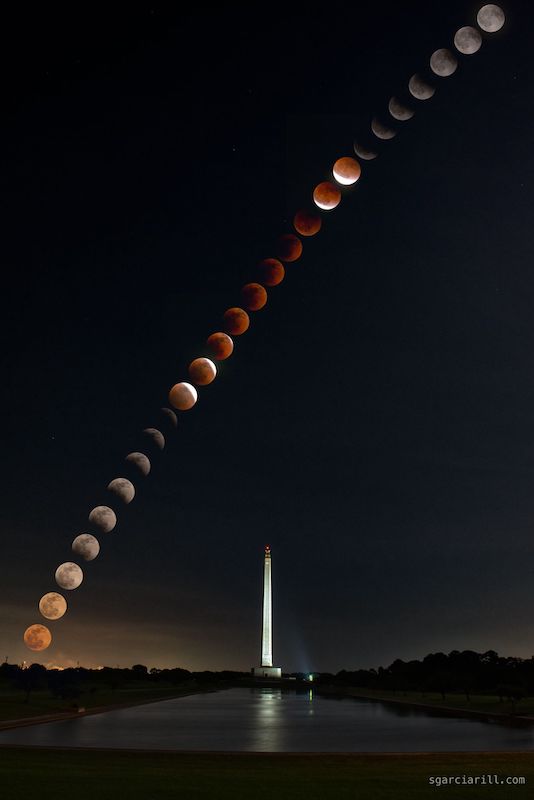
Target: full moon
(346,171)
(236,321)
(202,371)
(52,605)
(326,195)
(364,152)
(307,223)
(467,40)
(140,461)
(220,345)
(86,546)
(443,62)
(123,489)
(381,130)
(399,111)
(37,637)
(254,296)
(271,271)
(289,247)
(69,575)
(183,396)
(103,517)
(419,88)
(491,18)
(156,437)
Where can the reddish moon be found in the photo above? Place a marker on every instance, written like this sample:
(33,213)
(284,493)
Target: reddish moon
(326,196)
(254,296)
(346,171)
(289,247)
(202,371)
(307,223)
(220,345)
(236,321)
(271,271)
(37,637)
(183,396)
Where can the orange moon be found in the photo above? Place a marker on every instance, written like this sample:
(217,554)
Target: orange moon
(289,247)
(271,271)
(346,171)
(220,345)
(307,223)
(254,296)
(37,637)
(202,371)
(326,196)
(236,321)
(183,396)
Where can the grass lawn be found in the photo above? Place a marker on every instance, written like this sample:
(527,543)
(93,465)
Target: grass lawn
(27,774)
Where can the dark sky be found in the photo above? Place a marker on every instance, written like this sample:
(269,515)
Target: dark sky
(376,423)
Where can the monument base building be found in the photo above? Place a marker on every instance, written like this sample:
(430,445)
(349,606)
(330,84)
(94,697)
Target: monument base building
(267,670)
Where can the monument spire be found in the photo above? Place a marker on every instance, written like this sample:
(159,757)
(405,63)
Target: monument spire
(267,670)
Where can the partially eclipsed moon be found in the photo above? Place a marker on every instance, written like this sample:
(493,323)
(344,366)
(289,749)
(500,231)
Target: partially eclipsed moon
(37,637)
(183,396)
(220,345)
(381,130)
(254,296)
(52,605)
(202,371)
(170,416)
(443,62)
(156,437)
(86,546)
(346,171)
(69,575)
(104,518)
(326,195)
(399,111)
(122,488)
(364,152)
(140,461)
(419,88)
(491,18)
(467,40)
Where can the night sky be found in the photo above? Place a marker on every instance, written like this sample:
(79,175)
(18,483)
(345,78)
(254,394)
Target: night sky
(375,425)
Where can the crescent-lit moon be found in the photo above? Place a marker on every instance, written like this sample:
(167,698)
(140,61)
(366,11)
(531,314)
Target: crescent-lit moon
(419,88)
(326,196)
(202,371)
(467,40)
(37,637)
(346,171)
(183,396)
(52,605)
(156,437)
(171,416)
(69,575)
(443,62)
(123,489)
(86,546)
(399,111)
(382,131)
(364,152)
(491,18)
(140,461)
(104,518)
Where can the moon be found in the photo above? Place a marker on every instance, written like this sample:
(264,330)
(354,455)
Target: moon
(289,247)
(69,575)
(491,18)
(123,489)
(156,437)
(140,461)
(236,321)
(381,130)
(346,171)
(364,152)
(254,296)
(467,40)
(86,546)
(326,196)
(443,62)
(202,371)
(271,271)
(37,637)
(183,396)
(104,518)
(220,345)
(52,605)
(419,88)
(171,416)
(399,111)
(307,223)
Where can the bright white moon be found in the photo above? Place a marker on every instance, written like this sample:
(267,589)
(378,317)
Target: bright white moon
(491,18)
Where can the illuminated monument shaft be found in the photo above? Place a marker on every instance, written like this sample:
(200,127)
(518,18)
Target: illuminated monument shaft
(267,670)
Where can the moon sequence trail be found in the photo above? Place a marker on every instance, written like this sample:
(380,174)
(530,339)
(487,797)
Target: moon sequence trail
(236,320)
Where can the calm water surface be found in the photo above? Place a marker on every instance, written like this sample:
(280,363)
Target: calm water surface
(273,720)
